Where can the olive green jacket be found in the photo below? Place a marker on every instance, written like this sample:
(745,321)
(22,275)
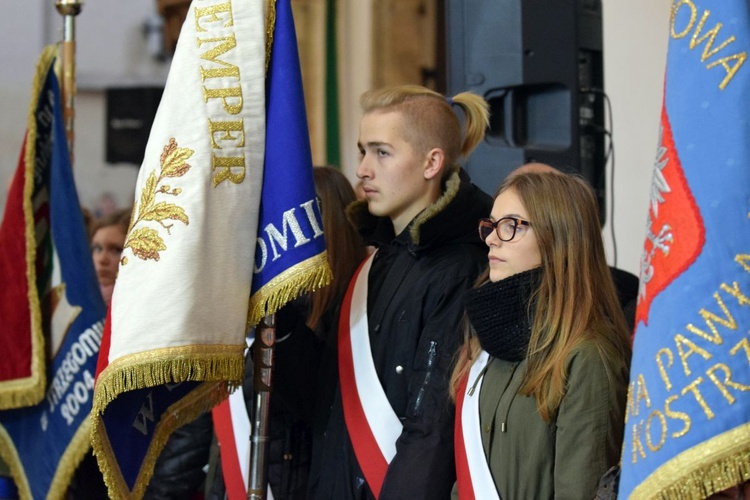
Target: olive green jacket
(532,459)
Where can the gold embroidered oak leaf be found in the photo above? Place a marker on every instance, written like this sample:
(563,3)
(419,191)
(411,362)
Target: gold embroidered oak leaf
(175,164)
(163,210)
(149,191)
(145,243)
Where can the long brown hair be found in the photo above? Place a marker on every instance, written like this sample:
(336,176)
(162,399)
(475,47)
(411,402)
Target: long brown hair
(343,244)
(576,300)
(429,120)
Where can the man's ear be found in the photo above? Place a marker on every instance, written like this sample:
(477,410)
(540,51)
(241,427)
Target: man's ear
(435,163)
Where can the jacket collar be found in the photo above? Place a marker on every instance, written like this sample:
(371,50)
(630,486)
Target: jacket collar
(452,217)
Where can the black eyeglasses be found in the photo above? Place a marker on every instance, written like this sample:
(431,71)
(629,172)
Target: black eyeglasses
(506,228)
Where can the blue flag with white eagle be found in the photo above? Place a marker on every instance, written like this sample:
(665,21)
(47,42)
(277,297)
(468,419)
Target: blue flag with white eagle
(687,433)
(43,443)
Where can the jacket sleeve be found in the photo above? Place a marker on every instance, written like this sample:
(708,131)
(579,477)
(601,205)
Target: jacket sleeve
(589,425)
(296,358)
(424,466)
(178,472)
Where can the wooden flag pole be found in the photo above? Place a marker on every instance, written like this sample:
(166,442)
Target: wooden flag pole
(263,346)
(69,9)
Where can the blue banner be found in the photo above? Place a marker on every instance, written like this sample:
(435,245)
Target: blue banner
(290,253)
(687,432)
(44,443)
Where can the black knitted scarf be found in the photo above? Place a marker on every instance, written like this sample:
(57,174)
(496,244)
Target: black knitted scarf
(500,314)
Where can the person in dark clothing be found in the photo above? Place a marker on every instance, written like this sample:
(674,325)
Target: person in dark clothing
(305,328)
(178,472)
(420,212)
(626,285)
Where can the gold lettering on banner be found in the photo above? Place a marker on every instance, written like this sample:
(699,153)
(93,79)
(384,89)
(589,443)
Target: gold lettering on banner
(630,409)
(728,376)
(744,345)
(225,44)
(224,165)
(677,415)
(685,354)
(743,259)
(711,318)
(637,445)
(225,135)
(734,291)
(637,392)
(227,128)
(693,388)
(226,95)
(642,392)
(673,15)
(722,384)
(709,38)
(731,63)
(662,435)
(211,12)
(662,370)
(737,59)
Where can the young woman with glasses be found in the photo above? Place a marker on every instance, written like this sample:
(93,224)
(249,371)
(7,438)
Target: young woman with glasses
(541,380)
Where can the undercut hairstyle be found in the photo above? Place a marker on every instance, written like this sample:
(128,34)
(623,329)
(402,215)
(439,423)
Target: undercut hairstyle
(429,120)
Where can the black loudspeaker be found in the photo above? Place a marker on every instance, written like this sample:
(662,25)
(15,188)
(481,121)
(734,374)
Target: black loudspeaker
(130,114)
(539,65)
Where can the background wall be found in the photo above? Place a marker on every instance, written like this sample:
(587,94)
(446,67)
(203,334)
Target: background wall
(635,51)
(113,51)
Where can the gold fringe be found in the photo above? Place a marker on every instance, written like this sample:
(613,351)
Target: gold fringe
(71,458)
(307,276)
(199,401)
(270,27)
(30,390)
(195,363)
(710,467)
(9,454)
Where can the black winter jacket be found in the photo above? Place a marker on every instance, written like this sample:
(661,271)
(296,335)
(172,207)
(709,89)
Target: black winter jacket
(296,359)
(179,470)
(416,285)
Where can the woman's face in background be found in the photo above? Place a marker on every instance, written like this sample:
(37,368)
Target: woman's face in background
(106,248)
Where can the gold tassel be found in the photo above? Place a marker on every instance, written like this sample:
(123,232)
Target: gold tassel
(703,483)
(199,401)
(169,365)
(714,465)
(306,276)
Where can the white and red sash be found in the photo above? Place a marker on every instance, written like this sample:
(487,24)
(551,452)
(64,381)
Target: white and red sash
(372,424)
(473,473)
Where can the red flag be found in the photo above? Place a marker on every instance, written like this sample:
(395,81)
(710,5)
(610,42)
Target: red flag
(22,374)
